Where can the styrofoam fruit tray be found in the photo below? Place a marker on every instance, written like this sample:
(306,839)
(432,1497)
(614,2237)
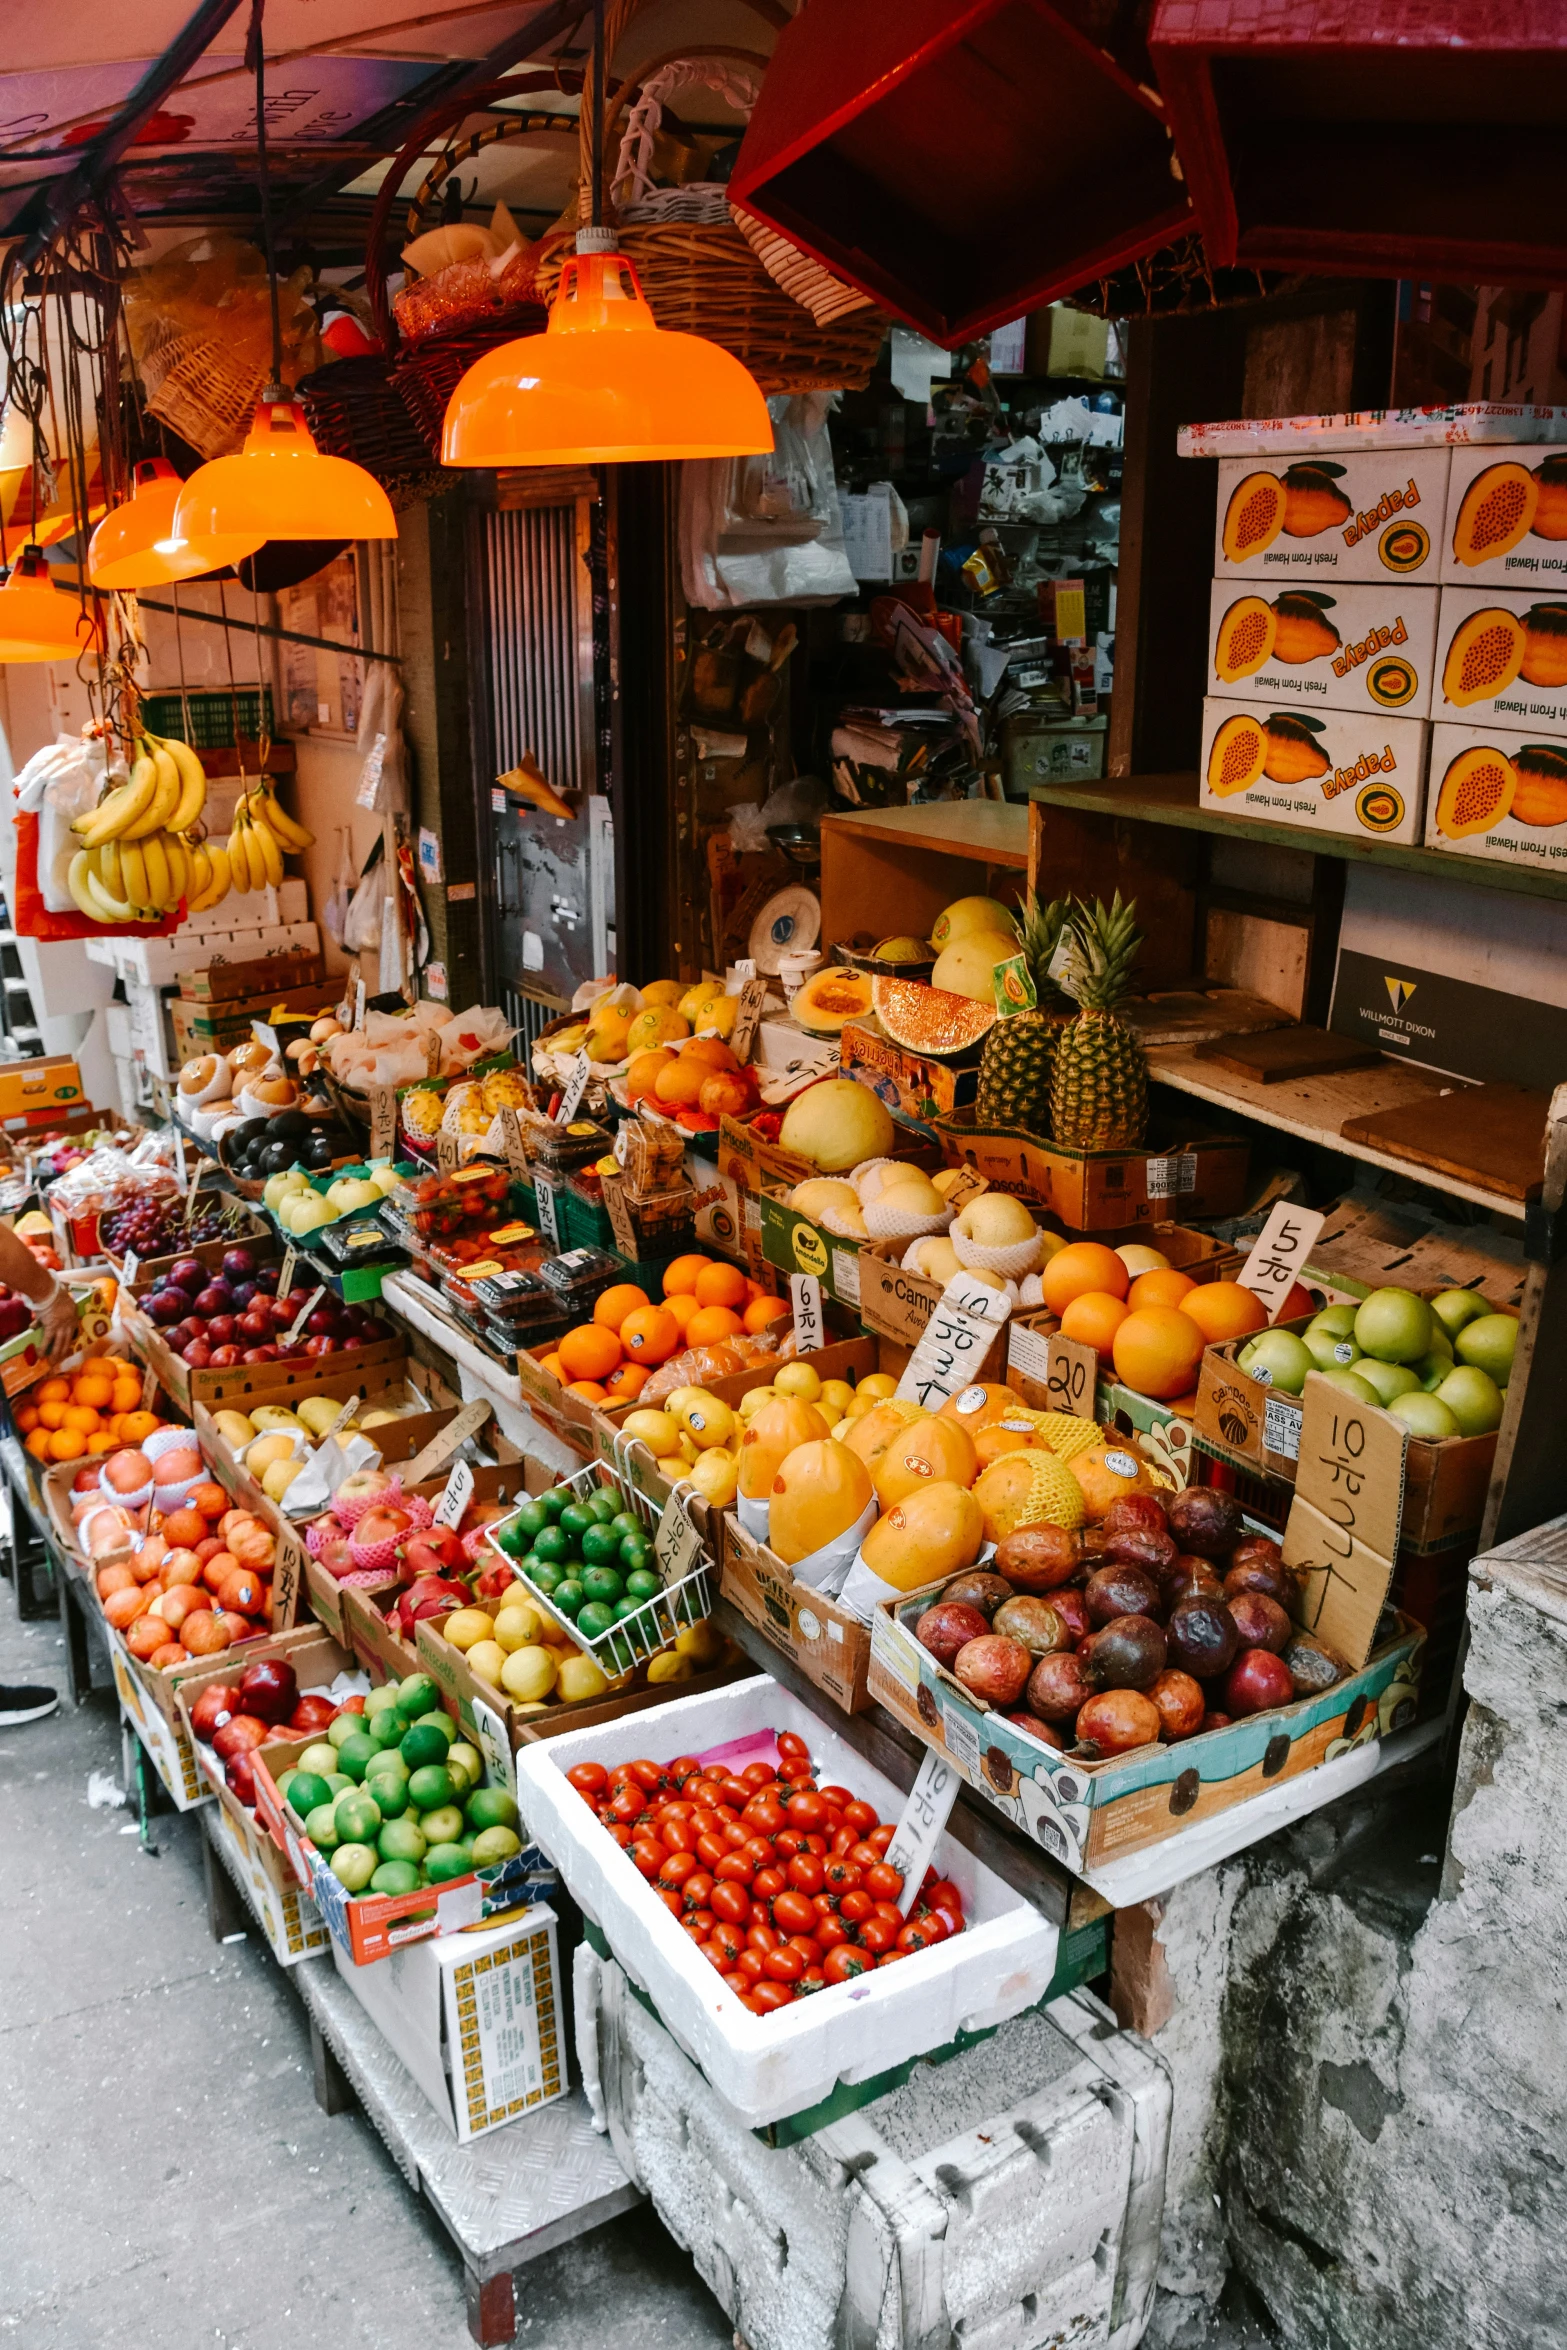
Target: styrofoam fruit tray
(771,2066)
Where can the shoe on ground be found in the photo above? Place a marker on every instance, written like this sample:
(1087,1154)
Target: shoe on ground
(18,1705)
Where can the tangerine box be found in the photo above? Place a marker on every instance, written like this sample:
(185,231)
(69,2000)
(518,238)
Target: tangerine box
(1498,794)
(1374,515)
(1343,646)
(1502,659)
(1340,771)
(1514,502)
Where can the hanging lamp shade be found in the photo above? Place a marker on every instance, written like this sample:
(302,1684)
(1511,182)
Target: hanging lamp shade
(281,486)
(135,546)
(37,622)
(604,383)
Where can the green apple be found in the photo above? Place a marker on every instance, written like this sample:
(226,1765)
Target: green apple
(1340,1320)
(1488,1344)
(1388,1379)
(1328,1350)
(1424,1415)
(1353,1385)
(1394,1325)
(1431,1370)
(1455,1308)
(1276,1358)
(1474,1399)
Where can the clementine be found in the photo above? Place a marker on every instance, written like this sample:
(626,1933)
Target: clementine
(67,1444)
(1157,1351)
(680,1275)
(626,1382)
(588,1389)
(682,1305)
(652,1335)
(721,1285)
(94,1391)
(709,1324)
(616,1303)
(1166,1287)
(1081,1266)
(138,1426)
(764,1310)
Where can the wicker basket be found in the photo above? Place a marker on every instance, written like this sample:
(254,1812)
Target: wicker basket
(200,390)
(702,278)
(355,410)
(426,374)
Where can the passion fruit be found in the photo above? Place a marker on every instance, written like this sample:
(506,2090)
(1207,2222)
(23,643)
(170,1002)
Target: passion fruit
(1057,1690)
(1205,1521)
(1121,1591)
(1115,1723)
(1033,1621)
(1201,1637)
(1129,1653)
(979,1589)
(1039,1558)
(1260,1621)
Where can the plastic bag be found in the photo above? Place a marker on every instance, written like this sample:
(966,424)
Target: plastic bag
(757,530)
(802,800)
(59,783)
(362,926)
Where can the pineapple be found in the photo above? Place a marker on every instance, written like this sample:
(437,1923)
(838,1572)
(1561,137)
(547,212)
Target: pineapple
(1099,1084)
(1014,1068)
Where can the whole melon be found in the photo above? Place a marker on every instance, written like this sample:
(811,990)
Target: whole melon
(968,914)
(818,1492)
(968,965)
(836,1124)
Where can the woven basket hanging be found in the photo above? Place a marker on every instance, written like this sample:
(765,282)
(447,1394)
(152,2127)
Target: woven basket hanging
(198,387)
(700,275)
(355,409)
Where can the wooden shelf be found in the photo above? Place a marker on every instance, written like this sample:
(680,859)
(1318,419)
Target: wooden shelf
(993,831)
(1173,800)
(889,871)
(1314,1110)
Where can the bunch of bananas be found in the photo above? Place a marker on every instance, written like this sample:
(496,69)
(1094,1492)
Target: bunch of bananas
(262,832)
(142,849)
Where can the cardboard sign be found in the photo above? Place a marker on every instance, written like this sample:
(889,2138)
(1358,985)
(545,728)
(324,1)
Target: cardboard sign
(966,1184)
(181,1171)
(432,1054)
(1279,1253)
(342,1420)
(576,1087)
(383,1121)
(440,1448)
(288,1578)
(805,1295)
(549,1217)
(954,1342)
(149,1387)
(358,1019)
(676,1544)
(448,1152)
(619,1213)
(285,1277)
(924,1816)
(1344,1522)
(494,1744)
(512,1144)
(305,1311)
(131,1267)
(458,1494)
(1072,1371)
(753,995)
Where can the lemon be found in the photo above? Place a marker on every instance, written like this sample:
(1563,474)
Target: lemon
(699,1642)
(715,1475)
(656,1430)
(468,1626)
(708,1422)
(487,1659)
(671,1666)
(518,1625)
(798,1379)
(753,1399)
(861,1404)
(878,1385)
(530,1673)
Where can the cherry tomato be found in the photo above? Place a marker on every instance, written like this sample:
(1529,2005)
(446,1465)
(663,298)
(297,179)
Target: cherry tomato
(884,1882)
(794,1912)
(937,1924)
(735,1793)
(783,1964)
(698,1889)
(830,1932)
(844,1963)
(805,1873)
(671,1900)
(768,1997)
(877,1935)
(758,1850)
(760,1936)
(684,1766)
(707,1919)
(812,1980)
(768,1882)
(880,1838)
(676,1811)
(818,1845)
(629,1804)
(757,1774)
(621,1835)
(943,1894)
(788,1843)
(765,1815)
(809,1948)
(734,1836)
(732,1902)
(841,1876)
(700,1789)
(697,1932)
(735,1981)
(678,1835)
(891,1957)
(808,1812)
(857,1814)
(705,1820)
(749,1964)
(864,1855)
(914,1937)
(588,1778)
(838,1797)
(727,1938)
(844,1840)
(790,1742)
(855,1907)
(677,1867)
(648,1855)
(646,1774)
(736,1868)
(711,1849)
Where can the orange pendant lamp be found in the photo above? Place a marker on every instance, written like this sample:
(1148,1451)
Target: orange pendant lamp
(280,486)
(37,622)
(604,383)
(136,546)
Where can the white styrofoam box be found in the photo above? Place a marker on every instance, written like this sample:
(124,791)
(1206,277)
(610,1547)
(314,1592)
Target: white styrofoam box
(1374,653)
(475,2017)
(1010,2197)
(1368,516)
(779,2064)
(158,962)
(1371,783)
(1531,777)
(169,1750)
(132,1087)
(253,909)
(1453,427)
(1513,487)
(1529,659)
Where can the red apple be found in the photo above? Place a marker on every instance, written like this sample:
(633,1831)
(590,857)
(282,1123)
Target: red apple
(198,1355)
(240,1779)
(323,1346)
(217,1702)
(256,1325)
(239,1734)
(382,1525)
(268,1688)
(221,1329)
(311,1713)
(223,1358)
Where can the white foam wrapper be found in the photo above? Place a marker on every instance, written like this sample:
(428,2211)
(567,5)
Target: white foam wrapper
(312,1490)
(825,1570)
(1012,1262)
(770,2066)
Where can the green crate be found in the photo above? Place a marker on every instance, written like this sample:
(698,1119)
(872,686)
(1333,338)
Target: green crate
(211,722)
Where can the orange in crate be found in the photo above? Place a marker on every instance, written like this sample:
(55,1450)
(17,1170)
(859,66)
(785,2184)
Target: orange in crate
(615,1304)
(651,1336)
(589,1352)
(680,1276)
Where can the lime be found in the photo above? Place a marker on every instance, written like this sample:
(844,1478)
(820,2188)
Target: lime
(395,1876)
(465,1847)
(356,1753)
(495,1845)
(417,1695)
(319,1757)
(553,1545)
(531,1516)
(338,1782)
(513,1538)
(624,1523)
(402,1840)
(443,1825)
(286,1780)
(445,1861)
(642,1583)
(627,1607)
(345,1726)
(422,1745)
(635,1551)
(387,1727)
(431,1788)
(358,1817)
(306,1792)
(389,1791)
(553,1502)
(544,1575)
(568,1596)
(603,1583)
(602,1505)
(321,1828)
(575,1520)
(385,1695)
(596,1616)
(491,1807)
(439,1721)
(353,1865)
(601,1546)
(388,1764)
(464,1764)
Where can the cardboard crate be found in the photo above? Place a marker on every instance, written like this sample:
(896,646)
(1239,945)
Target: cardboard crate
(831,1647)
(1507,840)
(1393,529)
(290,1921)
(449,1666)
(326,1595)
(1194,1173)
(262,975)
(896,1305)
(569,1417)
(1445,1484)
(166,1742)
(1540,711)
(50,1083)
(1373,785)
(257,1382)
(477,2019)
(915,1086)
(1082,1813)
(1382,663)
(217,1028)
(250,1231)
(1531,561)
(791,1243)
(1365,1246)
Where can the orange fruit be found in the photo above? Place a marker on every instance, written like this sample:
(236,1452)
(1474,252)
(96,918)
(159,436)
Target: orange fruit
(82,1416)
(1093,1319)
(125,1395)
(763,1310)
(589,1352)
(67,1444)
(100,1442)
(555,1367)
(1079,1267)
(1166,1287)
(136,1427)
(27,1418)
(617,1303)
(1157,1351)
(682,1305)
(710,1049)
(626,1382)
(52,1414)
(652,1335)
(680,1275)
(1222,1309)
(709,1324)
(642,1071)
(94,1391)
(55,1391)
(588,1389)
(721,1285)
(38,1442)
(678,1086)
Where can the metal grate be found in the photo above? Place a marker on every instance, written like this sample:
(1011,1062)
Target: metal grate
(530,1016)
(534,660)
